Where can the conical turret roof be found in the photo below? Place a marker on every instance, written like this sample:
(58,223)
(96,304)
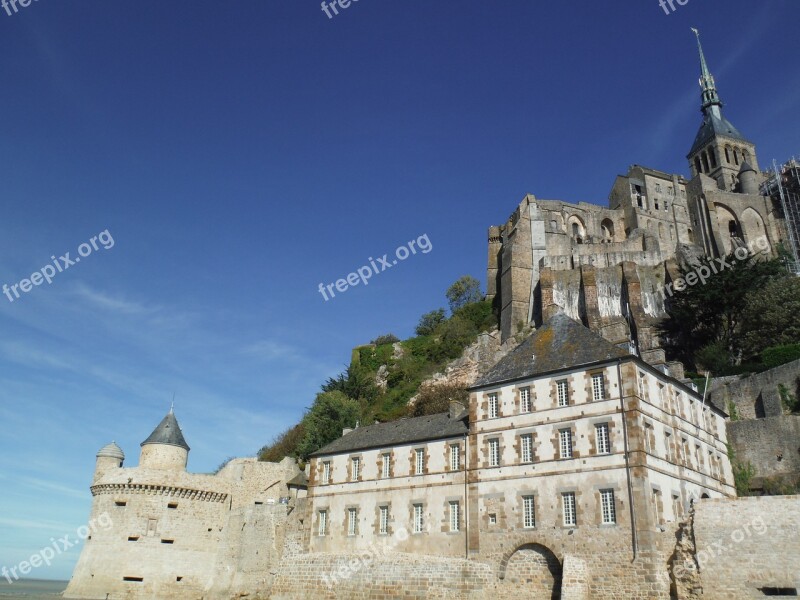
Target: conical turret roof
(111,451)
(168,433)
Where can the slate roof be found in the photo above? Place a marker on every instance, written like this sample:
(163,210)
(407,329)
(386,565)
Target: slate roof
(712,127)
(300,480)
(396,433)
(561,343)
(111,451)
(168,433)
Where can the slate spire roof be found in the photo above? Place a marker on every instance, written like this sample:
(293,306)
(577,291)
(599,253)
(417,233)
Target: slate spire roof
(168,433)
(561,343)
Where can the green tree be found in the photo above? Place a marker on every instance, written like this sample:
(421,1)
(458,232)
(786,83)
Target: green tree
(772,315)
(331,412)
(283,445)
(703,314)
(430,321)
(464,291)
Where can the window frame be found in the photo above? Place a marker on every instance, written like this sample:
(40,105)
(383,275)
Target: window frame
(494,452)
(562,392)
(326,472)
(419,461)
(525,404)
(565,435)
(322,525)
(352,522)
(383,520)
(494,405)
(529,512)
(355,468)
(455,516)
(601,377)
(569,514)
(608,509)
(526,447)
(419,520)
(604,440)
(386,465)
(455,457)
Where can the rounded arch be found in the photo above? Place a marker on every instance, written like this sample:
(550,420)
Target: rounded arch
(532,570)
(607,228)
(576,228)
(690,232)
(753,227)
(729,228)
(662,231)
(698,166)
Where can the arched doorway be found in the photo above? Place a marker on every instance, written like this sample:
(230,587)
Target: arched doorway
(531,571)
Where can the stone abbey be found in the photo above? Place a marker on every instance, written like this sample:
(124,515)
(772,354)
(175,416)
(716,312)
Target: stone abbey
(583,466)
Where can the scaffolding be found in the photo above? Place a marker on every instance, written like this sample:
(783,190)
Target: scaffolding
(783,186)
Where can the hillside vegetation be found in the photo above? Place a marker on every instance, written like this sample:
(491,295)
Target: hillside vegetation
(385,374)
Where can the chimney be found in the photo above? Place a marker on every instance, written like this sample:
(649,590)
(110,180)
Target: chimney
(456,408)
(346,430)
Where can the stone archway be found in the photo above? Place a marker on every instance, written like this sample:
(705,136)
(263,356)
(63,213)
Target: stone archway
(531,571)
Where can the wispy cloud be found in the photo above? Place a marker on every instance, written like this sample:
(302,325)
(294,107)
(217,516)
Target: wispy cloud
(270,350)
(110,303)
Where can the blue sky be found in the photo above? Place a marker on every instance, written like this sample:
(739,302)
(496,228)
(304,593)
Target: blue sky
(241,153)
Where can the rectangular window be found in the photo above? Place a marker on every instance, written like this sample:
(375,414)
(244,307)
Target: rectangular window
(677,508)
(326,473)
(648,438)
(526,447)
(685,451)
(528,512)
(454,516)
(657,506)
(419,465)
(323,522)
(563,392)
(352,520)
(494,453)
(699,457)
(598,387)
(568,504)
(565,443)
(609,510)
(658,187)
(356,470)
(642,387)
(525,399)
(386,466)
(455,457)
(418,521)
(384,520)
(172,505)
(493,406)
(601,433)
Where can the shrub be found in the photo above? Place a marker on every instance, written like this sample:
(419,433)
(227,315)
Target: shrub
(464,291)
(789,400)
(435,398)
(389,338)
(430,321)
(283,445)
(780,355)
(331,412)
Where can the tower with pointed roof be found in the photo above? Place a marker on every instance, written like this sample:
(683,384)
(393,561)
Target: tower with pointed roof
(719,150)
(166,447)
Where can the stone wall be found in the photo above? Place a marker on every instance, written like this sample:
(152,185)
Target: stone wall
(757,396)
(747,544)
(771,445)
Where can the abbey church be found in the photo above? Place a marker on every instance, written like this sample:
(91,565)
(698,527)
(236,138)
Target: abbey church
(608,267)
(583,465)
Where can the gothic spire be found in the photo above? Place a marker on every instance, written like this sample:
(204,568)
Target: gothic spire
(709,95)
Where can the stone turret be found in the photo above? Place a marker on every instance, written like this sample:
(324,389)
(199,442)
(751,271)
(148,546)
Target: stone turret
(109,457)
(748,179)
(165,448)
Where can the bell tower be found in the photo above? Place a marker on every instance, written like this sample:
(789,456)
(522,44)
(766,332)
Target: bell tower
(719,150)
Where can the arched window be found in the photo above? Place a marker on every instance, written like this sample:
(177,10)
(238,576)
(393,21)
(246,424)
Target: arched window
(705,163)
(736,156)
(691,235)
(712,155)
(728,154)
(698,166)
